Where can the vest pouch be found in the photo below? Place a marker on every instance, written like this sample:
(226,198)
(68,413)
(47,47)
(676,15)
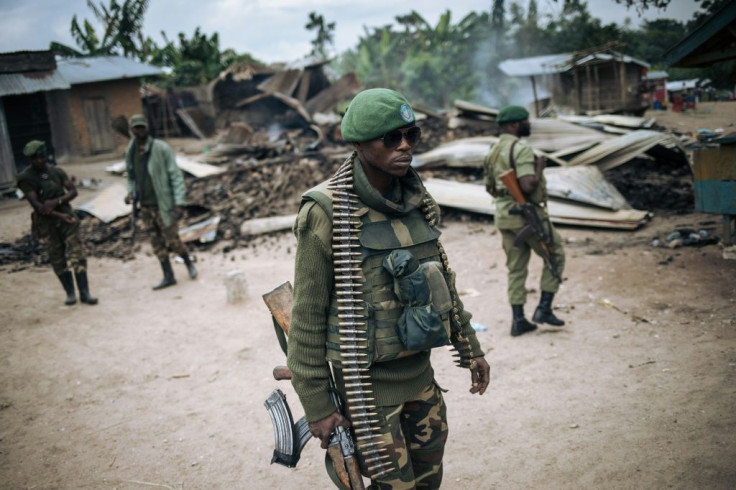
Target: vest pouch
(419,326)
(440,287)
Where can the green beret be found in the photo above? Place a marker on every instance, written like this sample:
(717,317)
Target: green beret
(512,113)
(138,120)
(34,148)
(374,112)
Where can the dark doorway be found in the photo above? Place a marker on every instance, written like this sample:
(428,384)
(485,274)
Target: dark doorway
(27,119)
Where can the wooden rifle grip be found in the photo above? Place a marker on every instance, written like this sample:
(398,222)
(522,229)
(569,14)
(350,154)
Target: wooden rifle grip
(281,372)
(338,462)
(512,185)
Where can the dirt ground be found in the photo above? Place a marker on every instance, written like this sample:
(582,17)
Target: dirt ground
(165,389)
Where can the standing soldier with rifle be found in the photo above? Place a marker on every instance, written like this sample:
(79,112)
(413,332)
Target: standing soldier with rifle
(158,186)
(515,178)
(49,191)
(373,294)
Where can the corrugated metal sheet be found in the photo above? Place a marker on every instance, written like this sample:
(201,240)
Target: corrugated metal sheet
(31,82)
(536,65)
(103,68)
(474,198)
(655,75)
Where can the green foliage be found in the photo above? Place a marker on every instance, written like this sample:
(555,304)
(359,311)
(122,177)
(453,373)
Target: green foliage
(192,61)
(437,64)
(652,41)
(325,38)
(195,60)
(429,64)
(121,31)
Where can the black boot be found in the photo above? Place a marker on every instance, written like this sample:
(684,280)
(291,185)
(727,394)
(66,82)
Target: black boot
(168,279)
(190,266)
(519,324)
(67,280)
(83,286)
(543,313)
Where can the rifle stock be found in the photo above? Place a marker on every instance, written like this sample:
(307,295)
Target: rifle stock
(281,372)
(512,185)
(341,449)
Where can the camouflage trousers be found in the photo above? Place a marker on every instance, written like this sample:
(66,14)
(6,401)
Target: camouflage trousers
(414,434)
(63,245)
(517,263)
(164,239)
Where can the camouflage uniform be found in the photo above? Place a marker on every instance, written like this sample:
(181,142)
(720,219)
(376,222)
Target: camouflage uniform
(164,239)
(415,434)
(517,258)
(61,240)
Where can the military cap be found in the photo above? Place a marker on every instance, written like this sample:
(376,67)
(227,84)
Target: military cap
(34,148)
(374,112)
(512,113)
(138,120)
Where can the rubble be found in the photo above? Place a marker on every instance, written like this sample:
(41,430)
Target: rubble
(249,177)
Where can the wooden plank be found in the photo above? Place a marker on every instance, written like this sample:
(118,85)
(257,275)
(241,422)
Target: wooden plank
(259,226)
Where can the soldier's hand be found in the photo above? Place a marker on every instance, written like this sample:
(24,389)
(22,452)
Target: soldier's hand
(128,199)
(480,375)
(323,429)
(47,207)
(178,212)
(68,219)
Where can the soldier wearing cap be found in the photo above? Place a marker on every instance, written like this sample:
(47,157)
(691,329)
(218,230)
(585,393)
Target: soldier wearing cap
(373,294)
(49,190)
(158,186)
(512,152)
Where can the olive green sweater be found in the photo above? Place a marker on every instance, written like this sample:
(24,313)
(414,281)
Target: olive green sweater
(394,382)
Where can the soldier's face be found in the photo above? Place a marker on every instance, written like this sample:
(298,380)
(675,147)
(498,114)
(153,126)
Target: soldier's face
(525,128)
(381,164)
(139,132)
(38,161)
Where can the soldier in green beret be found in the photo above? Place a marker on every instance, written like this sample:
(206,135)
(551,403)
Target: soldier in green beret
(49,190)
(373,294)
(158,186)
(512,152)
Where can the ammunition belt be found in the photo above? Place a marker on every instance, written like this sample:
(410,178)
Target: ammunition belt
(352,321)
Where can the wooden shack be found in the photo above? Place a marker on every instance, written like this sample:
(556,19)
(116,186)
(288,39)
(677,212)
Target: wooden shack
(599,80)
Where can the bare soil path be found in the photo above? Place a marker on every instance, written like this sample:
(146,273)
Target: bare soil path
(165,389)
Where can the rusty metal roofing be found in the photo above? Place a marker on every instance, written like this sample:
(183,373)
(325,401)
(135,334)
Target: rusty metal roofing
(103,68)
(31,82)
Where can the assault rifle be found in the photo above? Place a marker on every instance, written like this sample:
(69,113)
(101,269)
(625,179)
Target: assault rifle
(534,226)
(291,437)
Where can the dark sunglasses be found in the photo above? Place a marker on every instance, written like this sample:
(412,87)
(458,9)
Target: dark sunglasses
(392,139)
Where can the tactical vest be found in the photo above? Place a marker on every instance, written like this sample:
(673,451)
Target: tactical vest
(379,235)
